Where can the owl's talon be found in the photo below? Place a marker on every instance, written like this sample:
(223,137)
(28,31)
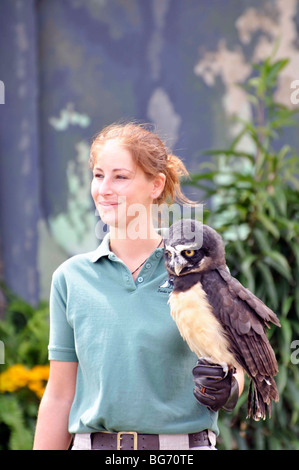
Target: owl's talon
(225,368)
(209,360)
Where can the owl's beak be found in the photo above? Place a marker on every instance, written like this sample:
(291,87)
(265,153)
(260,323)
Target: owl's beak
(178,268)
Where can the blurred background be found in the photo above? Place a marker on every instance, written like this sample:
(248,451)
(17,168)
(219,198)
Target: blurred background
(70,67)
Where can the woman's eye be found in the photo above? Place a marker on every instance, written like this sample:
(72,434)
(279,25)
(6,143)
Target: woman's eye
(121,177)
(114,178)
(189,253)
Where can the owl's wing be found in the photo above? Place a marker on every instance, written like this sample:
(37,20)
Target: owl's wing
(244,318)
(236,289)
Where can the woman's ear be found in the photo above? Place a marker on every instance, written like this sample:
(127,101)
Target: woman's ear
(158,185)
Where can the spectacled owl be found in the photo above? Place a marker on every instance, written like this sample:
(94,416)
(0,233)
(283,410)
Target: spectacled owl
(220,320)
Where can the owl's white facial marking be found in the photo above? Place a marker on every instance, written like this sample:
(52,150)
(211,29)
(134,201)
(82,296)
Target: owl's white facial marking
(175,261)
(190,246)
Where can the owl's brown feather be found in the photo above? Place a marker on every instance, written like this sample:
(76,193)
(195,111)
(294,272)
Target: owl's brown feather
(221,319)
(241,325)
(244,322)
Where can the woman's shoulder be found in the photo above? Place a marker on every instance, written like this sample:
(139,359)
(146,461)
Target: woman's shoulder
(75,262)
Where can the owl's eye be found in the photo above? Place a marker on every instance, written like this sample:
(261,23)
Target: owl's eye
(168,254)
(189,253)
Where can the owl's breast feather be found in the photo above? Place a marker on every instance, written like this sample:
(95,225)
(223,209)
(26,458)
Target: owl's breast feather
(198,325)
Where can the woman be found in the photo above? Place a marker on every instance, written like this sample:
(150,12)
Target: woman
(120,374)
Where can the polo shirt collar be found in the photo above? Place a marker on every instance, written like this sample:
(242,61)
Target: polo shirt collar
(104,248)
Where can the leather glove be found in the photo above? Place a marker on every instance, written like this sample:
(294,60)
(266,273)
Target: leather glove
(214,388)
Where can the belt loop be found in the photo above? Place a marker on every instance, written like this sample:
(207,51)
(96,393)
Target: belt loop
(173,441)
(82,442)
(212,437)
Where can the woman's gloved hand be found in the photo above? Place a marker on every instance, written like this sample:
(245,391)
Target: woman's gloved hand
(213,387)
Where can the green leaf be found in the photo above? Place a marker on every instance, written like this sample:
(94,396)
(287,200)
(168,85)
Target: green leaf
(279,263)
(269,284)
(281,200)
(11,415)
(204,176)
(282,378)
(297,294)
(285,344)
(275,68)
(286,305)
(230,153)
(226,435)
(261,240)
(268,224)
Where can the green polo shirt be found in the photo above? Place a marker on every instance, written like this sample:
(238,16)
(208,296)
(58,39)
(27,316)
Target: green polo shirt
(134,369)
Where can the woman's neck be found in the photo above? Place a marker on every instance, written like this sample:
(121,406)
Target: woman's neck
(133,250)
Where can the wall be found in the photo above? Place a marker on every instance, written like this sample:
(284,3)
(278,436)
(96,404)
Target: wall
(72,66)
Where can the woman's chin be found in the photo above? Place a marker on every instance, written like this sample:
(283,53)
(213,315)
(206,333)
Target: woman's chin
(113,219)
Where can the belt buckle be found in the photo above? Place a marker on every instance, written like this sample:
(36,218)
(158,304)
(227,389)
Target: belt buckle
(119,438)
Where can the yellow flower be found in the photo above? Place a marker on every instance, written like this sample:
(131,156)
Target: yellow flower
(17,377)
(40,373)
(38,377)
(13,378)
(37,388)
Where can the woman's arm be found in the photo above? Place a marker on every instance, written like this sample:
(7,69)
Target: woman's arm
(239,376)
(52,423)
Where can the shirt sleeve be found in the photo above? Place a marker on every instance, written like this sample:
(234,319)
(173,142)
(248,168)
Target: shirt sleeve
(61,342)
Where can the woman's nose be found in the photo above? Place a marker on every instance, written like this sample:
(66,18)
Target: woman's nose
(105,186)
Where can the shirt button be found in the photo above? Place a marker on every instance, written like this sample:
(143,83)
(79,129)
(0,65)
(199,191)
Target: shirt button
(158,254)
(140,279)
(148,265)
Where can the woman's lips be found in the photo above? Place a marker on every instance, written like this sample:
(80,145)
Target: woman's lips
(108,203)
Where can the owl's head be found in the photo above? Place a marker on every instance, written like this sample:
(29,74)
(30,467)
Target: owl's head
(192,247)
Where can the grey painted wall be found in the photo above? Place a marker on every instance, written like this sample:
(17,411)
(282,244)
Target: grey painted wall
(72,66)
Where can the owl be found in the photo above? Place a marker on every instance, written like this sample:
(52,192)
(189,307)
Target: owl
(221,321)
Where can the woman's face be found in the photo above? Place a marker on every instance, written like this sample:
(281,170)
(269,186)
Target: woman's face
(120,189)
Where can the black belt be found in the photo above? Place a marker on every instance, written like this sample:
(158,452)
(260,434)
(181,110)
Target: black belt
(134,441)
